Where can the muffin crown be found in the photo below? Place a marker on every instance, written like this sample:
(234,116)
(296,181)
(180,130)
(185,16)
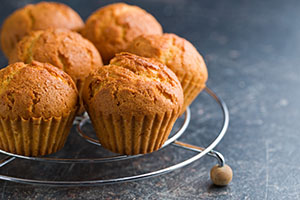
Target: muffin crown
(133,84)
(175,52)
(112,27)
(62,48)
(36,90)
(38,16)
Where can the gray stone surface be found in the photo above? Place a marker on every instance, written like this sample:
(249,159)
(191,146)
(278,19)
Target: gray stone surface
(252,53)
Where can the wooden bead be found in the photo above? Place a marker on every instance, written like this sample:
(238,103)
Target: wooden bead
(221,176)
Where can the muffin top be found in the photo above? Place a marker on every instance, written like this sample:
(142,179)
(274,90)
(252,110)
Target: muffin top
(62,48)
(112,27)
(175,52)
(36,90)
(133,84)
(38,16)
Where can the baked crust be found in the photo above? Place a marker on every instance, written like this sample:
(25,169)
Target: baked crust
(36,90)
(62,48)
(177,54)
(38,16)
(112,27)
(132,84)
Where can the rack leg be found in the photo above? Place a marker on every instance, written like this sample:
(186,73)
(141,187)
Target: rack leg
(6,160)
(221,174)
(78,119)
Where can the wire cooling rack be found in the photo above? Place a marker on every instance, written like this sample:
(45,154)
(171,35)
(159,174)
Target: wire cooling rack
(113,159)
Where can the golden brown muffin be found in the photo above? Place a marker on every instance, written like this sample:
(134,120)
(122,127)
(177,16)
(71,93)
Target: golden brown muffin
(39,16)
(38,103)
(133,104)
(112,27)
(180,56)
(62,48)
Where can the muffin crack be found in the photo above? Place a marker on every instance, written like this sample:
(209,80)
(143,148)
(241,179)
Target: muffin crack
(35,101)
(7,79)
(123,28)
(115,95)
(120,25)
(31,17)
(91,56)
(29,54)
(11,99)
(36,98)
(63,60)
(164,93)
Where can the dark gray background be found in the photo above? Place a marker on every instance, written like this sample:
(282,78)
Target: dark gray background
(252,52)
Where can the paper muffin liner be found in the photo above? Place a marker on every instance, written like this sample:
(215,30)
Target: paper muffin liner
(191,88)
(134,134)
(35,136)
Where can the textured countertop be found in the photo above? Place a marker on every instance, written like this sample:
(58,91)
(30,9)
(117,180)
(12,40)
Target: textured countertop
(252,52)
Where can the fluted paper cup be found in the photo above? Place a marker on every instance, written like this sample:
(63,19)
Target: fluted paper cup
(133,134)
(35,136)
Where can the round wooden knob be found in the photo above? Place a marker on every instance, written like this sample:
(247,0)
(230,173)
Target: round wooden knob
(221,176)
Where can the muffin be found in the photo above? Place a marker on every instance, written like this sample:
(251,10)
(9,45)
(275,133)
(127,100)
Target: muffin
(37,17)
(38,103)
(133,104)
(180,56)
(62,48)
(112,27)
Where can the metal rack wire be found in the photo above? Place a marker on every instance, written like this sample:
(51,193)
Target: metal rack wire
(173,140)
